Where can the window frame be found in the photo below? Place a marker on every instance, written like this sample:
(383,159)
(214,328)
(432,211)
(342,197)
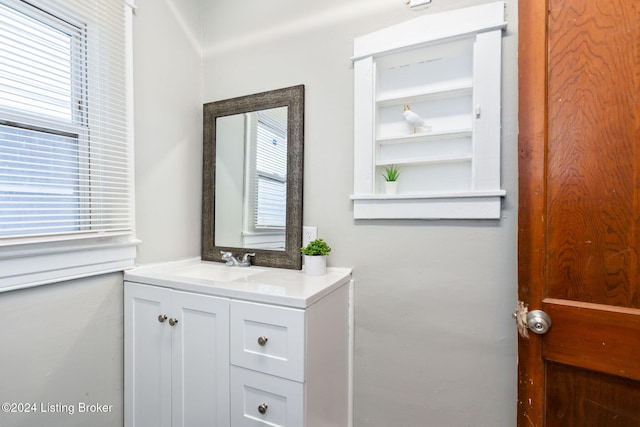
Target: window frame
(42,259)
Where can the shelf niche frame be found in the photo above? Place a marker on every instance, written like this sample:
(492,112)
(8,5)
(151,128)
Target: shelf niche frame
(461,52)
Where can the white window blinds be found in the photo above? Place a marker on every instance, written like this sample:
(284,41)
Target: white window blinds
(271,169)
(64,149)
(66,205)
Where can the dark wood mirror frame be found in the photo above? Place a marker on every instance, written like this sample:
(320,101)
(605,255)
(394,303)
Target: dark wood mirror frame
(293,98)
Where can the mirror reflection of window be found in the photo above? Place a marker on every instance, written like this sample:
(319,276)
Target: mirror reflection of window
(271,170)
(265,217)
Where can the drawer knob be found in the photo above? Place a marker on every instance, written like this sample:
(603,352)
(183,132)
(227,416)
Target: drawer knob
(263,341)
(173,321)
(263,408)
(162,318)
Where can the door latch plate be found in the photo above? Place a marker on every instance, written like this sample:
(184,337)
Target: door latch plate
(521,319)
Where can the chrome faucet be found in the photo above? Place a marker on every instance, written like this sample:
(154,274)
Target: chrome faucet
(233,261)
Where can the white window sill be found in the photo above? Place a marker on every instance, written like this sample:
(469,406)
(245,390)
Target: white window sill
(35,265)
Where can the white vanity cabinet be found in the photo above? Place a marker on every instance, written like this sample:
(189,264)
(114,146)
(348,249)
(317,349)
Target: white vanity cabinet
(210,345)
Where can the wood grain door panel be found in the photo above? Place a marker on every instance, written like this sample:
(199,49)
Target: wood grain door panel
(579,397)
(599,337)
(592,161)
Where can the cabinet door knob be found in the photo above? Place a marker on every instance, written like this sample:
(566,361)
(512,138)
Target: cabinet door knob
(173,321)
(263,341)
(263,408)
(162,318)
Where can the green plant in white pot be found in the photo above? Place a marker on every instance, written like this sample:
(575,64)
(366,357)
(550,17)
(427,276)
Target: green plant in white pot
(315,257)
(390,175)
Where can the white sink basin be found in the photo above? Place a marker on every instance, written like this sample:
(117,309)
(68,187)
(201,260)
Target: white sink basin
(217,272)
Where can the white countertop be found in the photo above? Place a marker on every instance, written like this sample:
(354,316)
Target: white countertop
(280,286)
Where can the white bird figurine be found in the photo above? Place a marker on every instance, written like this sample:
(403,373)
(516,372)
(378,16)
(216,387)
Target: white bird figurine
(414,120)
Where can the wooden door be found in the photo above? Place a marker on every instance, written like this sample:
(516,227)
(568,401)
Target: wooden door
(579,211)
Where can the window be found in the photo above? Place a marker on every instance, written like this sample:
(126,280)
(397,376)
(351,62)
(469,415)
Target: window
(65,173)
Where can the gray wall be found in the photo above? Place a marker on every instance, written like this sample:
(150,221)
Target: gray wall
(62,344)
(168,129)
(435,342)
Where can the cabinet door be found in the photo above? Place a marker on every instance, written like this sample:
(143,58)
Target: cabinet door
(147,361)
(200,360)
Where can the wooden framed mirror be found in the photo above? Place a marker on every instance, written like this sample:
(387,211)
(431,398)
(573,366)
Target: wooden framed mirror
(252,177)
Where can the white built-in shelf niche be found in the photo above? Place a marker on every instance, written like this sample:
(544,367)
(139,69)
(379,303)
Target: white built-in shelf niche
(447,68)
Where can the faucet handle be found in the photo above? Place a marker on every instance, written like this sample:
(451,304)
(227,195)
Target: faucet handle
(228,257)
(245,259)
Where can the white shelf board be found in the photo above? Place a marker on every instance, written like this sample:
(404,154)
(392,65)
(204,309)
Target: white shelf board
(425,136)
(468,205)
(409,96)
(427,160)
(466,194)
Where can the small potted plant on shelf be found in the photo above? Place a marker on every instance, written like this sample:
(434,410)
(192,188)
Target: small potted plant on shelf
(315,257)
(390,175)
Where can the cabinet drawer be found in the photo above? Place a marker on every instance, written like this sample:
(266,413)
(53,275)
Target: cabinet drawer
(268,339)
(260,400)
